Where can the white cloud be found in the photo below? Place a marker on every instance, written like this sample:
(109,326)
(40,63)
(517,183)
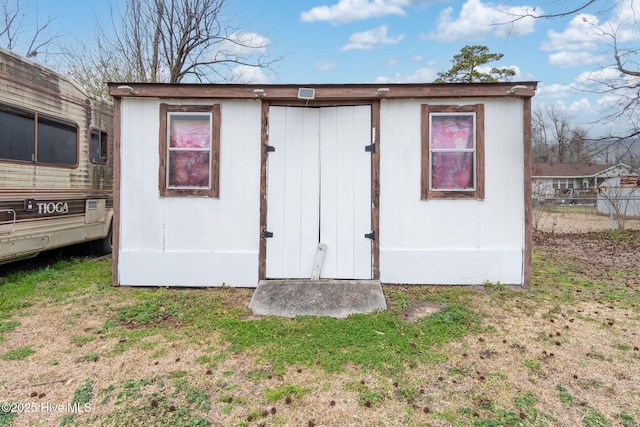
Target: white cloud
(625,22)
(477,20)
(569,59)
(553,91)
(391,62)
(394,62)
(325,65)
(248,74)
(421,75)
(579,35)
(371,39)
(600,82)
(588,100)
(609,102)
(576,45)
(608,76)
(580,106)
(355,10)
(242,45)
(581,42)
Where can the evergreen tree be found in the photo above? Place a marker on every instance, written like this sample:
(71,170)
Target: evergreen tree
(467,64)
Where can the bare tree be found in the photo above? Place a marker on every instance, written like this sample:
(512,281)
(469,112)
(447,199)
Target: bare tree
(92,66)
(619,79)
(555,139)
(23,34)
(621,88)
(619,197)
(171,41)
(541,144)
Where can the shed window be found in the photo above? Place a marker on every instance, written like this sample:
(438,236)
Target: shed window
(452,151)
(190,146)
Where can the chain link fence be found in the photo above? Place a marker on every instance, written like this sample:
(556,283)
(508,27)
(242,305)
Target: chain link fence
(585,214)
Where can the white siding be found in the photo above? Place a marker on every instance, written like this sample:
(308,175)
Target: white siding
(194,241)
(189,241)
(451,241)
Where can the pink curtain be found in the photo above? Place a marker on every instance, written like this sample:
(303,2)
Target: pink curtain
(451,161)
(189,168)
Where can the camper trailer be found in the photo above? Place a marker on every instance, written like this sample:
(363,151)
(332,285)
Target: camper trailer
(56,167)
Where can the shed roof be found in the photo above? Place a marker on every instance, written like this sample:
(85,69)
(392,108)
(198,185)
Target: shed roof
(323,92)
(550,170)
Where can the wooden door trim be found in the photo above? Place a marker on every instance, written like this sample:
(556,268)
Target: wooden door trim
(262,249)
(375,182)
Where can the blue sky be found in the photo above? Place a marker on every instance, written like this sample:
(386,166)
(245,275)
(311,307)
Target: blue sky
(369,41)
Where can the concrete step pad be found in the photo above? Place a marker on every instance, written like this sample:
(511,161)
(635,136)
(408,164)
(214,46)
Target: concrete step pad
(334,298)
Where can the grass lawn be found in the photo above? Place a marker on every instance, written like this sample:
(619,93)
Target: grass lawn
(75,351)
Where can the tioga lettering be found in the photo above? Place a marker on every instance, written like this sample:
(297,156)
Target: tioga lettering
(52,207)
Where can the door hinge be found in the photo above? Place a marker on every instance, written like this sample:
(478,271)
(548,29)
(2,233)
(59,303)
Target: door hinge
(266,234)
(371,235)
(269,148)
(371,148)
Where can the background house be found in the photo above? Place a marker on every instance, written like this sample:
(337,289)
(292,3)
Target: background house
(573,179)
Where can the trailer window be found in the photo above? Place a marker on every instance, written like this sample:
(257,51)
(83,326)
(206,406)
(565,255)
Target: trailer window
(452,151)
(190,145)
(98,146)
(57,142)
(17,134)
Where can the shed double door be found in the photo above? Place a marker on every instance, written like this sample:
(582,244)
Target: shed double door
(319,191)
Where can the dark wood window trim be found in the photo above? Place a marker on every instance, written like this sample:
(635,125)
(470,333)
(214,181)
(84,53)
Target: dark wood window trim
(214,190)
(426,191)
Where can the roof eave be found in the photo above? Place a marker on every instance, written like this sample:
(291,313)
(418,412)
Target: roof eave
(324,91)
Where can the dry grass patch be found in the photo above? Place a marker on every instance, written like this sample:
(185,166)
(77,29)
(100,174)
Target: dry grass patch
(563,353)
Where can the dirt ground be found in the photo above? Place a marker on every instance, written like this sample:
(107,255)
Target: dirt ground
(562,223)
(596,257)
(570,235)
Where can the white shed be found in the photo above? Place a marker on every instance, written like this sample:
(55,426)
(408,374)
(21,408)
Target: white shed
(620,195)
(402,183)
